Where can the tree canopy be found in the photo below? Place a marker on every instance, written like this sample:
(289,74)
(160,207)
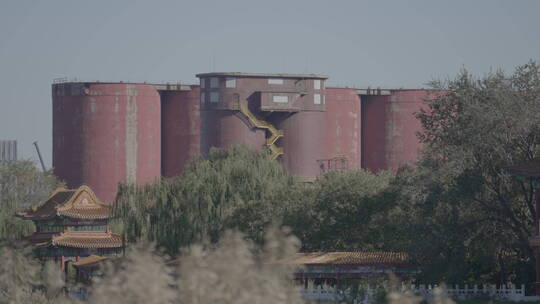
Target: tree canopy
(474,216)
(204,200)
(343,211)
(22,185)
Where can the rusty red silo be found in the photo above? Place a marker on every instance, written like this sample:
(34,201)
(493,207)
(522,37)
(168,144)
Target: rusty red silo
(343,127)
(180,128)
(304,143)
(106,133)
(222,129)
(389,128)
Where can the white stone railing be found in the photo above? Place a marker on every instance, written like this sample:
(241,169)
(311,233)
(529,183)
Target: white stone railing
(322,293)
(491,291)
(509,293)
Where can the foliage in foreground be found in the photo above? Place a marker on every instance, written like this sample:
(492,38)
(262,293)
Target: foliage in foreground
(231,271)
(226,273)
(24,280)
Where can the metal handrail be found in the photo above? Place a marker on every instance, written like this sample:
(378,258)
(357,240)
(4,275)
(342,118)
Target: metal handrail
(275,134)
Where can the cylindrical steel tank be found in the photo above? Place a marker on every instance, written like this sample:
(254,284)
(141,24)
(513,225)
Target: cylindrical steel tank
(343,125)
(389,129)
(225,128)
(303,143)
(180,129)
(106,133)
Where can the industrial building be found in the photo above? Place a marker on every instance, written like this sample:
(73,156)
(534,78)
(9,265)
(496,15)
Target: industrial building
(281,112)
(8,151)
(107,133)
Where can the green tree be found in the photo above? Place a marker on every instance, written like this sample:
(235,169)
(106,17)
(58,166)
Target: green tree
(22,185)
(204,200)
(474,219)
(343,211)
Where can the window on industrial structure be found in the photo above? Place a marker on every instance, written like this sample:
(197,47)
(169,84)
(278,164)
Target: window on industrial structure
(317,98)
(214,97)
(203,96)
(230,82)
(275,81)
(317,84)
(280,99)
(323,99)
(203,83)
(214,82)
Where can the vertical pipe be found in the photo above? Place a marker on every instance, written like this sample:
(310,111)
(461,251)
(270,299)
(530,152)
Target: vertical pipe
(39,155)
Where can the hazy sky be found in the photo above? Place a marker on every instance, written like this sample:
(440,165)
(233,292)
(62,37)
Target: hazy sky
(357,43)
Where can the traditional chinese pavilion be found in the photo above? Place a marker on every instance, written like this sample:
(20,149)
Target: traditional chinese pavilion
(333,267)
(71,224)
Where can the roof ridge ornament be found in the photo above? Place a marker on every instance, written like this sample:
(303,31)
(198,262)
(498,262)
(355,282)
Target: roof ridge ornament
(67,202)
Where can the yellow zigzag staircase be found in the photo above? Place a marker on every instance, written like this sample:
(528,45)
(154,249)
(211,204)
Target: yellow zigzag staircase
(275,134)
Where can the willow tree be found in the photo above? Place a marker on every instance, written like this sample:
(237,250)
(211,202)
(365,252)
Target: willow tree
(201,202)
(22,185)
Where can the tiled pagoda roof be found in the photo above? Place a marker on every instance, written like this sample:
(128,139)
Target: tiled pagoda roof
(76,239)
(87,240)
(526,169)
(40,238)
(90,261)
(79,203)
(349,258)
